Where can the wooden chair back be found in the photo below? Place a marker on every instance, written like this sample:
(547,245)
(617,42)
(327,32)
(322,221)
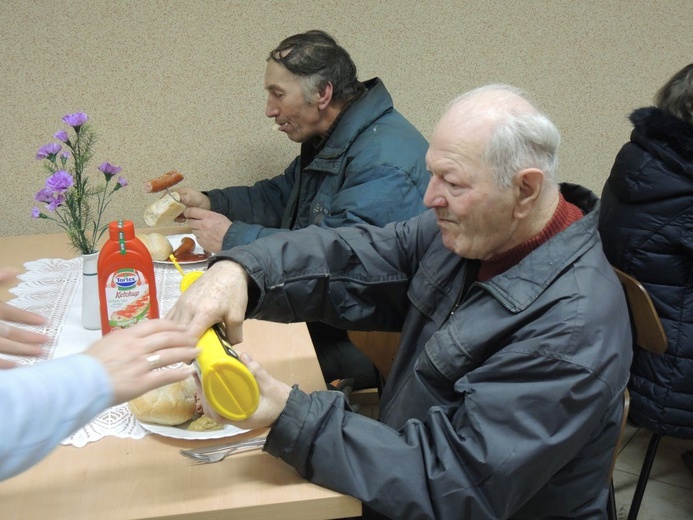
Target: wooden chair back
(380,347)
(647,327)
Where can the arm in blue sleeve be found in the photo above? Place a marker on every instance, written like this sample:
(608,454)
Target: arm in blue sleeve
(44,403)
(262,203)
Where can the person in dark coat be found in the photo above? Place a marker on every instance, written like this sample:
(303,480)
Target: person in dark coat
(646,224)
(505,398)
(361,161)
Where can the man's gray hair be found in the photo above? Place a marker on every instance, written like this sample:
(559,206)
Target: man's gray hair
(521,138)
(317,59)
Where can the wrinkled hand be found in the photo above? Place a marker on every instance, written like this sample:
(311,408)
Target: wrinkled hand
(192,199)
(209,227)
(220,295)
(14,341)
(131,355)
(273,397)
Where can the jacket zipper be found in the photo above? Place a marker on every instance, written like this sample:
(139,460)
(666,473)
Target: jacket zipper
(460,296)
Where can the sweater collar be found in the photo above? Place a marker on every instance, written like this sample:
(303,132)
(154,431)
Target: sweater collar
(564,215)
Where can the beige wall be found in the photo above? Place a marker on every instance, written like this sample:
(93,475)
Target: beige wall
(178,84)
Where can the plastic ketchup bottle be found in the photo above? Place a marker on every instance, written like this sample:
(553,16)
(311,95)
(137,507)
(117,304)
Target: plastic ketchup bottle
(127,288)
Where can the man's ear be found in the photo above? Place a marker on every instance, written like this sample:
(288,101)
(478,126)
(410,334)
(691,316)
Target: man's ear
(528,184)
(325,96)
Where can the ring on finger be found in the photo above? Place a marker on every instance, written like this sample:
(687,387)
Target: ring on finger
(154,361)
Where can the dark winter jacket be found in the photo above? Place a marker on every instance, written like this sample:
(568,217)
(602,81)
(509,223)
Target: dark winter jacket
(647,228)
(371,170)
(508,408)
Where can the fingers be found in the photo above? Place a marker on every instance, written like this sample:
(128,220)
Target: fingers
(167,357)
(18,348)
(19,342)
(234,332)
(11,313)
(154,327)
(136,344)
(193,198)
(193,213)
(4,363)
(8,273)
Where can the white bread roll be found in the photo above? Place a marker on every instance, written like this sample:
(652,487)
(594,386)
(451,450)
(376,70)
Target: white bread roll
(157,245)
(171,405)
(164,210)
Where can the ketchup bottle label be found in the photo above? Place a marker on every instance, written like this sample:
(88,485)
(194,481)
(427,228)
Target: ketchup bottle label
(127,298)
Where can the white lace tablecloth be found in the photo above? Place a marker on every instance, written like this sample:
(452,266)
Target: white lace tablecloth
(53,288)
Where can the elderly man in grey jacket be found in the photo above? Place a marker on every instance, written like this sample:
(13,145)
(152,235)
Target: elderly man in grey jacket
(505,398)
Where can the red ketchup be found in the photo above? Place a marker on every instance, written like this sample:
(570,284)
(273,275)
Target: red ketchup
(127,288)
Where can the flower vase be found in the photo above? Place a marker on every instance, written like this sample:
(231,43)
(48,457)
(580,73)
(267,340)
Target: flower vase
(91,313)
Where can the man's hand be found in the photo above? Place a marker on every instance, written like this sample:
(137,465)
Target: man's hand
(131,355)
(209,227)
(193,199)
(219,295)
(273,397)
(14,341)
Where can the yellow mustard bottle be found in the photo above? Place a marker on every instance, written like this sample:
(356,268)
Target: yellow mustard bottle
(228,385)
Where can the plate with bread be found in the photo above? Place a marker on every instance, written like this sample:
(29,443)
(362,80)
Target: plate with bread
(183,247)
(174,410)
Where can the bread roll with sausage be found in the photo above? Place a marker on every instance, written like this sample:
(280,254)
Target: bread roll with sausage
(169,405)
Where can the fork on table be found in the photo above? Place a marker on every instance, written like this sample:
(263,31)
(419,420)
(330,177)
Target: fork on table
(220,452)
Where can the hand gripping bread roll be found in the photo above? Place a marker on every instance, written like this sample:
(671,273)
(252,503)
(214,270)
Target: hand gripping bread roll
(170,405)
(164,210)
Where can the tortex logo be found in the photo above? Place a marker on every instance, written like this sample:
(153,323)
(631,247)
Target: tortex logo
(126,279)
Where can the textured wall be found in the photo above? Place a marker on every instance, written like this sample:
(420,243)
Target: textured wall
(174,84)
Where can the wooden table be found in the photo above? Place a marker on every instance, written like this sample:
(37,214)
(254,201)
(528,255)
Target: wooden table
(122,479)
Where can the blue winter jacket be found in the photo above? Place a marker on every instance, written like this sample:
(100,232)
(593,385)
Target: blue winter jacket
(646,225)
(371,170)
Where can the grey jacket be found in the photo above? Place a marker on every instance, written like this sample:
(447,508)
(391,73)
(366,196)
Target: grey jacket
(371,170)
(508,407)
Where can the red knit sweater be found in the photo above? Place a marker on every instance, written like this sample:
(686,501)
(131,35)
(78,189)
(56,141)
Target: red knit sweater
(565,214)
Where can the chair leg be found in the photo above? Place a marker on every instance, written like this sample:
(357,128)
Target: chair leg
(644,476)
(611,506)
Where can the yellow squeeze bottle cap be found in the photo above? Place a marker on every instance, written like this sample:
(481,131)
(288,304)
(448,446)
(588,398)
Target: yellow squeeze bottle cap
(227,383)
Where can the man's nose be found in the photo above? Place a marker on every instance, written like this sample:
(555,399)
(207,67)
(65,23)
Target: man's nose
(433,198)
(271,109)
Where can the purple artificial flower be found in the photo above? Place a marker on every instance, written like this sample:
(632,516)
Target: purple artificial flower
(109,170)
(53,199)
(122,182)
(44,195)
(58,199)
(76,120)
(59,181)
(47,150)
(35,212)
(62,136)
(65,155)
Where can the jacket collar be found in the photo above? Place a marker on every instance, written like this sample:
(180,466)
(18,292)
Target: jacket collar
(375,102)
(655,124)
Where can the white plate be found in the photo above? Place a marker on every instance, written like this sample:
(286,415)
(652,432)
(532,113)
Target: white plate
(181,432)
(175,241)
